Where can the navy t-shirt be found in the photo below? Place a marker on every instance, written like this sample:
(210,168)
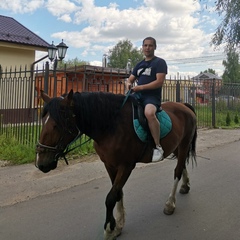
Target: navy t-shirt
(145,72)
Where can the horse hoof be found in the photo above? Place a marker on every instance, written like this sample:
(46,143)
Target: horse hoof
(184,189)
(168,211)
(112,235)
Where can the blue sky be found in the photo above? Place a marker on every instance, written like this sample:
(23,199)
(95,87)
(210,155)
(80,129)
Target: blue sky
(183,29)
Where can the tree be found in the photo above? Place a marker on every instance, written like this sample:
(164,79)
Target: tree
(228,31)
(232,68)
(119,56)
(210,70)
(71,63)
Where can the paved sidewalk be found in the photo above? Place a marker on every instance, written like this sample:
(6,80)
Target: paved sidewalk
(20,183)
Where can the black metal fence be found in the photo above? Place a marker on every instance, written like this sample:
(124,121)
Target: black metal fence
(21,105)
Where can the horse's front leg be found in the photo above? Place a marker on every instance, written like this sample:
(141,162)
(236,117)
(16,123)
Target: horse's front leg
(120,215)
(114,227)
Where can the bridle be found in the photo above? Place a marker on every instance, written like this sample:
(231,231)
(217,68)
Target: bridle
(60,150)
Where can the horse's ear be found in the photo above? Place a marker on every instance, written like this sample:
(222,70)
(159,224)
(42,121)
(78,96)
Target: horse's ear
(45,97)
(70,97)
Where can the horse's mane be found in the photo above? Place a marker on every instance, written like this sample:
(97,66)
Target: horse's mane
(97,110)
(93,110)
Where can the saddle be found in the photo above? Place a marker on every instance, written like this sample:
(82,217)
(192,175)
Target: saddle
(140,122)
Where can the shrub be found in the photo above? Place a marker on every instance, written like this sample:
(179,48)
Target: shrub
(236,120)
(228,119)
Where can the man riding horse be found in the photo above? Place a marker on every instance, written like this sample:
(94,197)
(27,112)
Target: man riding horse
(150,74)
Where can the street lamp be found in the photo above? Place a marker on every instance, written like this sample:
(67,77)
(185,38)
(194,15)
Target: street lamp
(61,49)
(52,51)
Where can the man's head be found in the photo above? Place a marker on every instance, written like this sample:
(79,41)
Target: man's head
(149,45)
(153,40)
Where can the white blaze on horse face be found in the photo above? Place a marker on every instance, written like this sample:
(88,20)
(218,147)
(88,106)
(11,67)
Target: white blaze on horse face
(46,119)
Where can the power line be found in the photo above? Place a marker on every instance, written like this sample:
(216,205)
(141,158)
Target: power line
(196,59)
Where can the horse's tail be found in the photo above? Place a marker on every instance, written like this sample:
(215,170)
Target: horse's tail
(192,149)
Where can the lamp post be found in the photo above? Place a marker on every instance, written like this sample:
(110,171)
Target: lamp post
(129,66)
(56,53)
(104,60)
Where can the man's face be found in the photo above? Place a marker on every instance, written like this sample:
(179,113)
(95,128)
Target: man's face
(148,48)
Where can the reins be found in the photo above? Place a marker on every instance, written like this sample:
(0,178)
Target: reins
(66,151)
(126,97)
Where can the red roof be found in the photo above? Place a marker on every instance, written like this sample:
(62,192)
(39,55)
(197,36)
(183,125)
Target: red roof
(14,32)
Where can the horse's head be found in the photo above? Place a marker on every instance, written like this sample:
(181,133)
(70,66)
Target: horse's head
(59,129)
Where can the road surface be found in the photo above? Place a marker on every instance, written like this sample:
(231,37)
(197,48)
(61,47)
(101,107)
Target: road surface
(210,211)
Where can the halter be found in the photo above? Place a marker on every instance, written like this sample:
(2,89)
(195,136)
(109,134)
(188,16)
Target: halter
(59,149)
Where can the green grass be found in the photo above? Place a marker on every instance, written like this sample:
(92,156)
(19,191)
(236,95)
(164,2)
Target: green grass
(226,117)
(16,153)
(11,150)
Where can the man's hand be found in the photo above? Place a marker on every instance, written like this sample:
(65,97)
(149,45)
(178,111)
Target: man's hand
(128,85)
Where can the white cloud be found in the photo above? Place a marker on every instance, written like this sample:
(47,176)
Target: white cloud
(66,18)
(174,7)
(21,6)
(61,8)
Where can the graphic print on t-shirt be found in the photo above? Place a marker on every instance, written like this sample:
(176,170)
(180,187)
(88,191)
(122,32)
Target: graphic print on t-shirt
(146,71)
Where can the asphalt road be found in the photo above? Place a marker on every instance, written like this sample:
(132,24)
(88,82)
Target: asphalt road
(210,211)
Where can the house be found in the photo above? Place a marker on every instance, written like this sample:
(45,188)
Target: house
(18,44)
(82,78)
(204,81)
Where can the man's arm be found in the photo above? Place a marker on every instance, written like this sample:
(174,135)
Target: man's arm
(130,81)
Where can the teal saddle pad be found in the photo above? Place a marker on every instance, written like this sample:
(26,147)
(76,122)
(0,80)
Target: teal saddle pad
(165,126)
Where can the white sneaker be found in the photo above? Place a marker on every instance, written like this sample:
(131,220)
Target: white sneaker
(157,154)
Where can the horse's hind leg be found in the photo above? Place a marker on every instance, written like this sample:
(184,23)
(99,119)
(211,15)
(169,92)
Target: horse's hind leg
(171,202)
(185,187)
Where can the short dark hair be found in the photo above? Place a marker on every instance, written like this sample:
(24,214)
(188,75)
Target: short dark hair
(150,38)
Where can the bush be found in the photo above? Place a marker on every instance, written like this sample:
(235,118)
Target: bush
(236,120)
(228,119)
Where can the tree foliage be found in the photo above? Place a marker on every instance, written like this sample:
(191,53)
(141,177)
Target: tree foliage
(119,55)
(209,70)
(232,68)
(71,63)
(228,31)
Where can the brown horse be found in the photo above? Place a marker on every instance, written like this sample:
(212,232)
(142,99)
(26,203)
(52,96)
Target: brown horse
(107,119)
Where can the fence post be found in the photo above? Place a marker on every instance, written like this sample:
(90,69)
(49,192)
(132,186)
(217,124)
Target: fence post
(213,103)
(178,99)
(46,77)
